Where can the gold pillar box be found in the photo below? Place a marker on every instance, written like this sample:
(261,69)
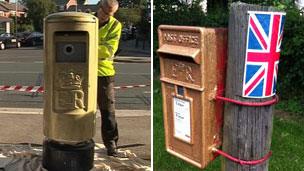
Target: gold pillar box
(70,71)
(192,68)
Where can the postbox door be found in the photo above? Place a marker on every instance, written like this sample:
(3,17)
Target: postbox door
(183,121)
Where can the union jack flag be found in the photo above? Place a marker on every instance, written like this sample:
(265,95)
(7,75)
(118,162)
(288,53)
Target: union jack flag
(264,37)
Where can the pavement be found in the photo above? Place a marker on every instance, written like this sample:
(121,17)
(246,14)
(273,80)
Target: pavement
(25,125)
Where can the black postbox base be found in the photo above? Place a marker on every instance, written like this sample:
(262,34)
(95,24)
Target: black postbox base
(65,157)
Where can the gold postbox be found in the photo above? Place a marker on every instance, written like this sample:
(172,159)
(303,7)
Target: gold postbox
(192,65)
(70,69)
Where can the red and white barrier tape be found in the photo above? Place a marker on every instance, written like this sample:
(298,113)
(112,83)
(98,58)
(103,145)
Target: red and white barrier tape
(40,89)
(31,89)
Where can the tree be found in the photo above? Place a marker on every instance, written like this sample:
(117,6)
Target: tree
(214,4)
(135,14)
(129,3)
(38,9)
(144,24)
(129,15)
(23,24)
(80,2)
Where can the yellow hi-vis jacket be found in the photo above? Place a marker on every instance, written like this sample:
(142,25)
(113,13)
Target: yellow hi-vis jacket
(108,42)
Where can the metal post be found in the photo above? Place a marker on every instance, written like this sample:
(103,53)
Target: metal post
(16,16)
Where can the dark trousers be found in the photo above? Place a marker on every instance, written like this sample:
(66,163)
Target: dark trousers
(105,99)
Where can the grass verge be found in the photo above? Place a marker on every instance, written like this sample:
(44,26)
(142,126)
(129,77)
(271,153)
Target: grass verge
(287,143)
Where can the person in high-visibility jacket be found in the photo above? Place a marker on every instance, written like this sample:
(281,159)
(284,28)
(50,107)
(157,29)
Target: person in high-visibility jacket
(109,35)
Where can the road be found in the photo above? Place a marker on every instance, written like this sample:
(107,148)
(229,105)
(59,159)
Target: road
(23,67)
(22,113)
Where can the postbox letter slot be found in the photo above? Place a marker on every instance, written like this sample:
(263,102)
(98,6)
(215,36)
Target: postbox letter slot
(185,52)
(180,90)
(71,51)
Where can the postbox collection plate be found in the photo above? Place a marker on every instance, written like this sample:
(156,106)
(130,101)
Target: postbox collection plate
(182,119)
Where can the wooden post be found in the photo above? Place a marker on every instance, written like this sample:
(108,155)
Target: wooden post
(247,130)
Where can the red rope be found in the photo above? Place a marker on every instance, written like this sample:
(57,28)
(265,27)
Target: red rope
(242,162)
(266,103)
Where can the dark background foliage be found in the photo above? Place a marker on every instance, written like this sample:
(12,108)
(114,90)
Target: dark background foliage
(38,9)
(291,72)
(133,12)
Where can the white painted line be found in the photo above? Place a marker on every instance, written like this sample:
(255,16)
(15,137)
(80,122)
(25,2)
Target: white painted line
(38,111)
(6,62)
(19,72)
(19,62)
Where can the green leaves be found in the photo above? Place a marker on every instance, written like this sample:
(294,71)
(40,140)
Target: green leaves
(37,10)
(291,80)
(129,15)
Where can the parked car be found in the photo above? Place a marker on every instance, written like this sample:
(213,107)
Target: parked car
(33,39)
(8,40)
(22,35)
(128,33)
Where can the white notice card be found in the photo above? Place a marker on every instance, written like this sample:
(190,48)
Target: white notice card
(181,111)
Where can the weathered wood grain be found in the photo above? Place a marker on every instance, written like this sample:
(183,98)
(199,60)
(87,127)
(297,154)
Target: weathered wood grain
(246,130)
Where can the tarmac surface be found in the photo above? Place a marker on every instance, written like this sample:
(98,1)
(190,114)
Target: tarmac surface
(24,67)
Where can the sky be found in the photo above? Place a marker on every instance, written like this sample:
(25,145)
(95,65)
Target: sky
(93,1)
